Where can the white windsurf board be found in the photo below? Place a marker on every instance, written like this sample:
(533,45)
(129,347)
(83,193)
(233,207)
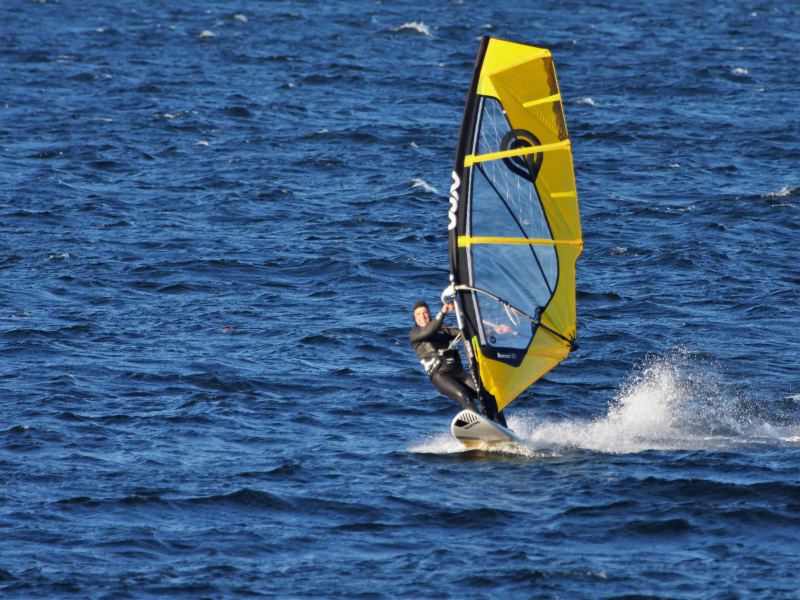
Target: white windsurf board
(472,430)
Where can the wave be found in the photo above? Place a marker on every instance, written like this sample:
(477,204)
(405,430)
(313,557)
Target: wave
(421,183)
(414,27)
(784,192)
(655,527)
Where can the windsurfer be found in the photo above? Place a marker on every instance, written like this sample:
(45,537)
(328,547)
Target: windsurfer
(432,342)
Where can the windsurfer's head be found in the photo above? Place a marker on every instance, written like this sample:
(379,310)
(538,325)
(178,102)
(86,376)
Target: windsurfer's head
(422,314)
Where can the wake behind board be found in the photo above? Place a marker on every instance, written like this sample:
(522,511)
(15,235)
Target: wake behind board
(473,430)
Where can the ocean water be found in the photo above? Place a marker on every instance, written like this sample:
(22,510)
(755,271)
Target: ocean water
(214,218)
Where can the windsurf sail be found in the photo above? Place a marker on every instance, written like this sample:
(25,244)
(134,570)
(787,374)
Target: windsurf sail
(514,227)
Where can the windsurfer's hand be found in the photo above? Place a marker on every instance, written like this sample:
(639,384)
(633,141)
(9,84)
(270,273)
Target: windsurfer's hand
(448,307)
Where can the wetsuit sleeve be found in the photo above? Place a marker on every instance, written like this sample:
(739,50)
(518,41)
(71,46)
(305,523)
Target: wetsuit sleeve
(451,331)
(419,334)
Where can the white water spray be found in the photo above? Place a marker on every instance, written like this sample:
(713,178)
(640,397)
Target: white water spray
(672,403)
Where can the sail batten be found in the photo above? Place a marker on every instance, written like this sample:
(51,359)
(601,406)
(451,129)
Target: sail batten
(470,159)
(546,100)
(467,240)
(515,230)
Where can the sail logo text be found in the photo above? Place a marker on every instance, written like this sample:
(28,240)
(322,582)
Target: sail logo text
(453,201)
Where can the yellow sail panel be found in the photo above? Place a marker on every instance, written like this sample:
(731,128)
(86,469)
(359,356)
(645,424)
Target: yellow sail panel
(501,55)
(505,382)
(518,233)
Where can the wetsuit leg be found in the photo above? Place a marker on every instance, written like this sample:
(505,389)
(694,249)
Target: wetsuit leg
(488,403)
(459,386)
(467,380)
(450,385)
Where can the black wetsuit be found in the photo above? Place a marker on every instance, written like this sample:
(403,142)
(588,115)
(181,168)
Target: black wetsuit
(443,366)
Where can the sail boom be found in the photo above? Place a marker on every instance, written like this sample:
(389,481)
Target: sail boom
(465,288)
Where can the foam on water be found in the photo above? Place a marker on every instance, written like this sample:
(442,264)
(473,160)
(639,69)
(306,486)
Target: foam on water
(445,443)
(440,443)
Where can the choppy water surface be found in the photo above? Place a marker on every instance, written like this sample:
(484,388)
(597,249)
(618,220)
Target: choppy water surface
(214,218)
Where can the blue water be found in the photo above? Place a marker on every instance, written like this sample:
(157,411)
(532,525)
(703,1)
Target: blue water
(214,218)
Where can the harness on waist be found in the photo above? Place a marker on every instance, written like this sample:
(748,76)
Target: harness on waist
(444,359)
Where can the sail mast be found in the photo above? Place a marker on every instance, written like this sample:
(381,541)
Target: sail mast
(457,221)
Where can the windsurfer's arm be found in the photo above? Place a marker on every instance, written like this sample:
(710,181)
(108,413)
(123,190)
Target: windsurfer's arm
(453,332)
(499,327)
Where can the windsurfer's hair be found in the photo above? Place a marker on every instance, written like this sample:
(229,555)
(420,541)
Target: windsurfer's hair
(420,304)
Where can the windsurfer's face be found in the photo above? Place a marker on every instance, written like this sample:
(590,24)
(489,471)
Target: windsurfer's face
(422,316)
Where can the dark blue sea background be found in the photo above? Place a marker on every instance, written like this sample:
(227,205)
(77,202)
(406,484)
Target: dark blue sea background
(214,219)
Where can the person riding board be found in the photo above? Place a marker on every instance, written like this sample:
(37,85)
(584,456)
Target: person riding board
(433,343)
